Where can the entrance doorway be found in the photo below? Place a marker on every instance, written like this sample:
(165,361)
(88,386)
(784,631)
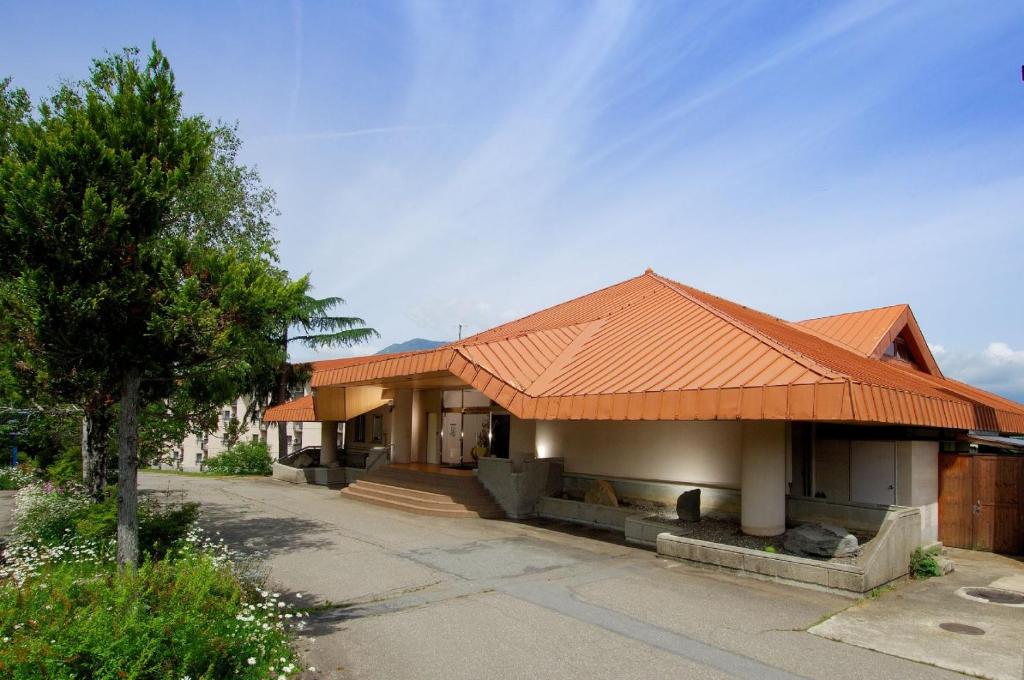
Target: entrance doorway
(981,502)
(500,430)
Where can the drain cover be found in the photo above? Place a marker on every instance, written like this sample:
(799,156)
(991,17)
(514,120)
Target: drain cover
(995,595)
(961,628)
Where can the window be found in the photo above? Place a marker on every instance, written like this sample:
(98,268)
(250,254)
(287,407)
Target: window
(199,458)
(360,429)
(378,429)
(899,349)
(255,437)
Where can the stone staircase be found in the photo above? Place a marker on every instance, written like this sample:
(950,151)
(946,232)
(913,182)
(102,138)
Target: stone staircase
(440,493)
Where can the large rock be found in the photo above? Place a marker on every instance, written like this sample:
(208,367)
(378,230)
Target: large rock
(825,540)
(688,506)
(601,493)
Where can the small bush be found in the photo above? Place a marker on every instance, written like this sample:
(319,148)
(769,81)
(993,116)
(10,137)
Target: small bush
(247,458)
(186,617)
(189,611)
(67,467)
(46,515)
(160,527)
(924,563)
(42,512)
(12,478)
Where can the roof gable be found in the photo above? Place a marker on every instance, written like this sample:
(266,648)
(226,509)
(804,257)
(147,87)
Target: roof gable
(873,331)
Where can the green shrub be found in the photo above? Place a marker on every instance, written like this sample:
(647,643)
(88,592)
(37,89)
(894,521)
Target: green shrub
(67,467)
(247,458)
(924,563)
(48,515)
(12,478)
(66,611)
(160,527)
(186,617)
(43,513)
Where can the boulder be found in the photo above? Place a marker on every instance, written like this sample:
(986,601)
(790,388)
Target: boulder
(688,506)
(825,540)
(601,493)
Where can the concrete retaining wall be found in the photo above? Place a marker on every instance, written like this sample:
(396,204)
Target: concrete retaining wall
(712,498)
(642,529)
(334,477)
(518,485)
(856,516)
(884,558)
(590,514)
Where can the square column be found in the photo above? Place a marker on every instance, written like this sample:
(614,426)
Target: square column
(763,478)
(329,443)
(401,427)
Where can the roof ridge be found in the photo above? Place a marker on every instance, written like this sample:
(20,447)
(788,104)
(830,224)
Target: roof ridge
(796,325)
(519,334)
(856,311)
(466,341)
(806,361)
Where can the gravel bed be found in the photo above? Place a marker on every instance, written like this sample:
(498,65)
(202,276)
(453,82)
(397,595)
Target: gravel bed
(727,531)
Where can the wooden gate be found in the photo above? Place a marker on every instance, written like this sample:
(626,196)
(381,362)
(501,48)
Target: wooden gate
(981,502)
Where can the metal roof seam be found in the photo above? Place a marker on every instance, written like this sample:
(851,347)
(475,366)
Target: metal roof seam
(793,354)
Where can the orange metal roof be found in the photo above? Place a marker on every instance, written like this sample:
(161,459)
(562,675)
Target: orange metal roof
(862,332)
(296,411)
(651,348)
(871,331)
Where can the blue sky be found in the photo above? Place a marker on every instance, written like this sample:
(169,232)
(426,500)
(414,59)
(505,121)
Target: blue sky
(469,162)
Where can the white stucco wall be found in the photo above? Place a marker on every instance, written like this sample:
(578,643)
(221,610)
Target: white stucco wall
(693,452)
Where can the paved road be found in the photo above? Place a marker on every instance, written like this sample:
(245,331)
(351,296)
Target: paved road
(425,597)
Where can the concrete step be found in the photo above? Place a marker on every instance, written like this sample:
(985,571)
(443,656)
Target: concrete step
(470,492)
(420,477)
(434,495)
(409,504)
(436,501)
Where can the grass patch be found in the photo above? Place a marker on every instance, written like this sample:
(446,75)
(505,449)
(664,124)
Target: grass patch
(876,593)
(179,473)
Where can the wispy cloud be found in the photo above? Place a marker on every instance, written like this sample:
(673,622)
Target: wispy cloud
(362,132)
(536,153)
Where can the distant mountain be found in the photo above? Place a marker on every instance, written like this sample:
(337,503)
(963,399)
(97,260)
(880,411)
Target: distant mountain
(413,345)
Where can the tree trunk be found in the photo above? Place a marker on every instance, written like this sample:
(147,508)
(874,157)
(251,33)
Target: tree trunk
(281,396)
(128,474)
(95,443)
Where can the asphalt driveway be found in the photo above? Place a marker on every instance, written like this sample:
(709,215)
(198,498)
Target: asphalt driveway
(405,596)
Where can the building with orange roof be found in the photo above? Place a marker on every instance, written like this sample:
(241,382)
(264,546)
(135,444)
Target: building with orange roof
(657,386)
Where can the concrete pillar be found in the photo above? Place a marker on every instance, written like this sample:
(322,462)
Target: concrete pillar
(401,427)
(329,443)
(924,486)
(763,478)
(418,427)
